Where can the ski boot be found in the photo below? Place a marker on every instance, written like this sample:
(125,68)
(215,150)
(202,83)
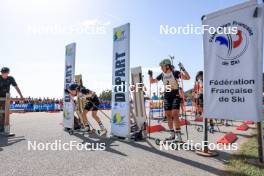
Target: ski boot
(226,123)
(167,140)
(85,128)
(178,137)
(102,132)
(171,137)
(211,129)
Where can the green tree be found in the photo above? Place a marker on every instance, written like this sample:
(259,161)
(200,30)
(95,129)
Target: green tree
(106,95)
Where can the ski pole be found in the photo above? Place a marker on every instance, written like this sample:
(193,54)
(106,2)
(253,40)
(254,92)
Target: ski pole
(101,111)
(184,108)
(151,102)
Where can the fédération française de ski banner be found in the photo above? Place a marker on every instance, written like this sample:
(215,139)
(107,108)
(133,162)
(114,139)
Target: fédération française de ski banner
(120,125)
(68,106)
(233,63)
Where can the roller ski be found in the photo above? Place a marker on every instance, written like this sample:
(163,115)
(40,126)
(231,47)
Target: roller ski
(88,131)
(175,138)
(95,131)
(83,130)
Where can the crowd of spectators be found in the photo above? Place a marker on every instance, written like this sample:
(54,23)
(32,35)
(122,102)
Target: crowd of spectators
(30,103)
(31,100)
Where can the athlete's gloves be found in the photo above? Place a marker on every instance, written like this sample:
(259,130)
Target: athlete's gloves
(181,66)
(66,91)
(150,73)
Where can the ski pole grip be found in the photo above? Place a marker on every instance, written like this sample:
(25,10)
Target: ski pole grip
(181,66)
(150,73)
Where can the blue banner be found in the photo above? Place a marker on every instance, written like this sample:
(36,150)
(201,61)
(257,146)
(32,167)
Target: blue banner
(47,107)
(34,107)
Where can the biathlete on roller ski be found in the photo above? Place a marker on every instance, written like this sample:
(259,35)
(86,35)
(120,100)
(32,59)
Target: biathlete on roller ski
(172,99)
(91,105)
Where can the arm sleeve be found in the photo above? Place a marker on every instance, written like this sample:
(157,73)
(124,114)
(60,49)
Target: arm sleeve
(85,91)
(13,82)
(177,74)
(159,77)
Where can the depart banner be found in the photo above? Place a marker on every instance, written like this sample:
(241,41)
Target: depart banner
(120,125)
(233,63)
(68,107)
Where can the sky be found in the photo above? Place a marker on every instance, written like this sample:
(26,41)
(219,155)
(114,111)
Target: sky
(34,33)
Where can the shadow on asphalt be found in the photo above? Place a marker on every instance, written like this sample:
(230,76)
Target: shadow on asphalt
(192,163)
(7,141)
(93,138)
(224,132)
(150,148)
(222,157)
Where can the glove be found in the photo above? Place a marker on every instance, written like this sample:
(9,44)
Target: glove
(150,73)
(66,91)
(181,66)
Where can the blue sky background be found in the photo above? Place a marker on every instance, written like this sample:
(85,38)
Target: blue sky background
(37,60)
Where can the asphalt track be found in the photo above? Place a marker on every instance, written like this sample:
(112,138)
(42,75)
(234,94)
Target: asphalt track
(121,157)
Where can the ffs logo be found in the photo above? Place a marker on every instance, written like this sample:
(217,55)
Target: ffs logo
(230,47)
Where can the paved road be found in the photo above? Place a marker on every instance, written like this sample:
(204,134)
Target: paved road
(119,158)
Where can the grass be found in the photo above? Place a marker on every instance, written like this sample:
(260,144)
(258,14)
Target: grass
(238,165)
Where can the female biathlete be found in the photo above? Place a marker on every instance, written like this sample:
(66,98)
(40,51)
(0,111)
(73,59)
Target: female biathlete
(172,99)
(91,105)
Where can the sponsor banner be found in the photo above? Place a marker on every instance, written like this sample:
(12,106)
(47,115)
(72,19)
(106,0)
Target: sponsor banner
(120,125)
(233,63)
(22,106)
(68,107)
(35,107)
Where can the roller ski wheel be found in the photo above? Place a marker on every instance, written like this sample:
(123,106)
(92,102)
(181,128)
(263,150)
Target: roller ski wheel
(157,141)
(70,132)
